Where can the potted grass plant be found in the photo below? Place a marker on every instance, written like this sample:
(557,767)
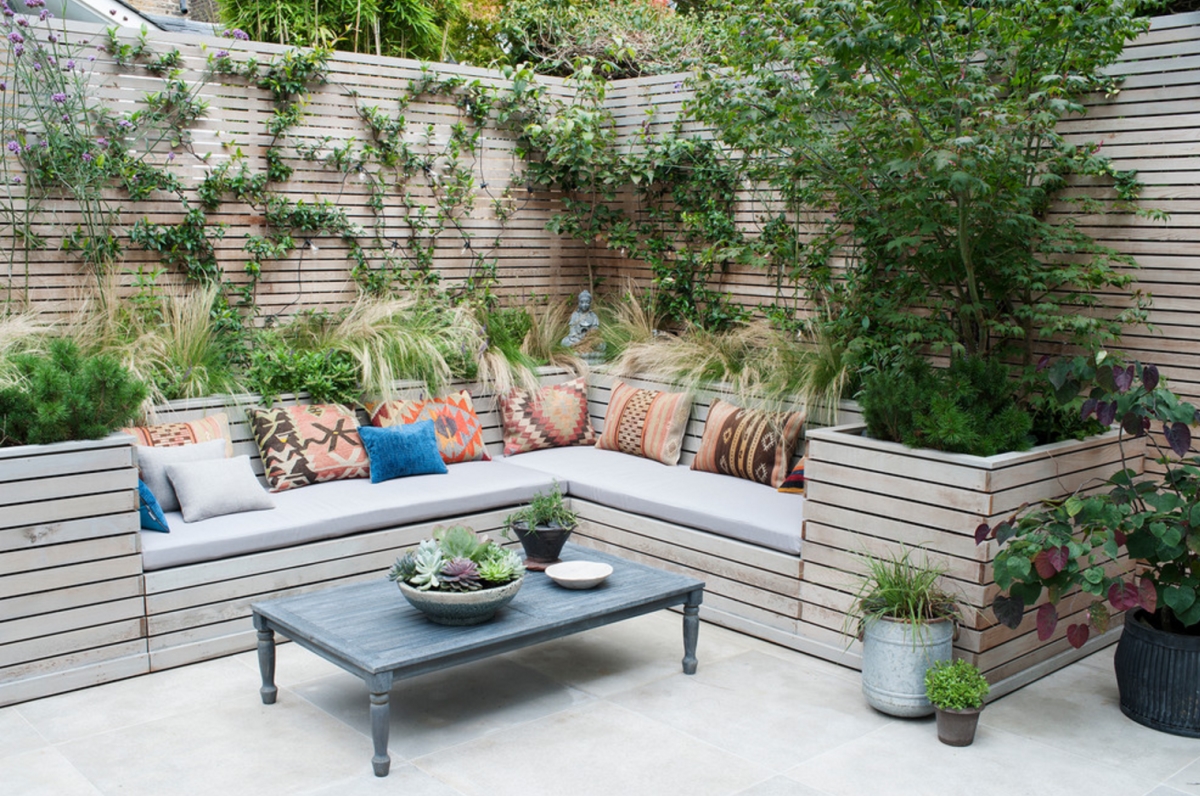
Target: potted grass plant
(542,527)
(956,689)
(906,622)
(458,577)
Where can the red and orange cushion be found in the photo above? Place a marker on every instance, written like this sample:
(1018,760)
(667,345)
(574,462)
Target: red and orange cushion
(646,423)
(555,416)
(455,423)
(170,435)
(303,445)
(748,443)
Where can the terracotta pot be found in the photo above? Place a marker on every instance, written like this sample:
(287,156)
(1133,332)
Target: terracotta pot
(543,545)
(957,727)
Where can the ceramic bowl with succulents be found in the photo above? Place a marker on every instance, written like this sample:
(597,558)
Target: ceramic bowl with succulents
(458,577)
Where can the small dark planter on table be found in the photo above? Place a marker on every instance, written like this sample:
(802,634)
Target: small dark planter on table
(543,545)
(957,727)
(1158,676)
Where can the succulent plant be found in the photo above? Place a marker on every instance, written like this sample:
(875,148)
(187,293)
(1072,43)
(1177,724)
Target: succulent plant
(429,563)
(501,566)
(457,559)
(460,574)
(404,568)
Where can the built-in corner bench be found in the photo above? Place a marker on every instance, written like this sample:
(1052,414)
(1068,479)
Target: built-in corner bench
(85,597)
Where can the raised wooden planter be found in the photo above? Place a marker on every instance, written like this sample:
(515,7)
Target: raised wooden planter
(72,612)
(869,496)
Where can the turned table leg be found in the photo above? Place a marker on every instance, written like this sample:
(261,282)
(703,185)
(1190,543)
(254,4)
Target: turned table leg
(266,660)
(380,686)
(691,629)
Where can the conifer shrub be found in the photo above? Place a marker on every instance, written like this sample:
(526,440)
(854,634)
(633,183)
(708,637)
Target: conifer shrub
(63,395)
(969,407)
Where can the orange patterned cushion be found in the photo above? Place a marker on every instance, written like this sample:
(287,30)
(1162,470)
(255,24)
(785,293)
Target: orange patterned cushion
(553,417)
(304,445)
(169,435)
(748,443)
(459,433)
(646,423)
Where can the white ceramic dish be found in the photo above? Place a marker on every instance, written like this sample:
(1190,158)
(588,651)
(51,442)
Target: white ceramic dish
(579,574)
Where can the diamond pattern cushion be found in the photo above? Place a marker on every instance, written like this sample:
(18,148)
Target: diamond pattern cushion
(555,416)
(459,432)
(748,443)
(646,423)
(169,435)
(303,445)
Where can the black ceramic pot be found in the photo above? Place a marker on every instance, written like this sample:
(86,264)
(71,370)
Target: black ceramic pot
(543,545)
(1158,675)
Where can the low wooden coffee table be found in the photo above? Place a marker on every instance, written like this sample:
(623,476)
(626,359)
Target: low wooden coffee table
(370,630)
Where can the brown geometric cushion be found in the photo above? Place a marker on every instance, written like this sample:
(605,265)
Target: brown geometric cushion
(748,443)
(646,423)
(457,427)
(554,416)
(170,435)
(304,445)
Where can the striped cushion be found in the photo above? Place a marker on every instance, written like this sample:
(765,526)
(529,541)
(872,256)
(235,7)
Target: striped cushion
(748,443)
(646,423)
(169,435)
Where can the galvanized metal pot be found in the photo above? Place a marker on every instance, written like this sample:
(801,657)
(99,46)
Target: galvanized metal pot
(896,655)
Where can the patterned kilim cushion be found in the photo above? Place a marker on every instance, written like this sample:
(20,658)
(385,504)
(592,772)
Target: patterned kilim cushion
(304,445)
(646,423)
(794,483)
(553,417)
(168,435)
(748,443)
(459,432)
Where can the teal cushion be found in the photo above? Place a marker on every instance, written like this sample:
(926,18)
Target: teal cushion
(397,451)
(153,518)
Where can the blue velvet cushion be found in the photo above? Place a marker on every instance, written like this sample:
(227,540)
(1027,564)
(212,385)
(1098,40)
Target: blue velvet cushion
(397,451)
(153,518)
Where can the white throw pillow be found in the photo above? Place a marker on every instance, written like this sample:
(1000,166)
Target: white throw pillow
(153,462)
(217,487)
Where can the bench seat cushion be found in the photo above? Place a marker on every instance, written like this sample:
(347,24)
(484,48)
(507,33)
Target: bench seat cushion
(722,504)
(340,508)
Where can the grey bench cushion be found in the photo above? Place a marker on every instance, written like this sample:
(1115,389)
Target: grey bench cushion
(721,504)
(340,508)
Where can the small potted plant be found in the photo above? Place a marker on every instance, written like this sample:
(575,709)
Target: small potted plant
(542,527)
(957,690)
(458,577)
(906,623)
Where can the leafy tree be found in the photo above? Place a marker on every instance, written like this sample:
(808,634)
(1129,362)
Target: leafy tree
(917,140)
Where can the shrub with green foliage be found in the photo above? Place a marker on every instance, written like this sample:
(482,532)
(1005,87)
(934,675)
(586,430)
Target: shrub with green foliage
(64,395)
(277,367)
(967,408)
(955,685)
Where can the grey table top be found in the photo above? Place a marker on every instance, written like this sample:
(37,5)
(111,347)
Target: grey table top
(370,628)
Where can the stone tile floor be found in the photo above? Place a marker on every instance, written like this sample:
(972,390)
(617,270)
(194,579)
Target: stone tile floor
(605,712)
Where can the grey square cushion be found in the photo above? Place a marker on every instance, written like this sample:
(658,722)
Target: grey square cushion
(722,504)
(217,487)
(153,462)
(340,508)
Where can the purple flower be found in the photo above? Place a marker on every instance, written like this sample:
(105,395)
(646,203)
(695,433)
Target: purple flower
(102,142)
(3,86)
(14,147)
(23,22)
(18,50)
(91,58)
(50,59)
(223,53)
(112,12)
(52,38)
(66,117)
(16,180)
(87,157)
(70,65)
(37,67)
(239,34)
(125,124)
(59,97)
(170,156)
(45,15)
(34,3)
(15,37)
(8,12)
